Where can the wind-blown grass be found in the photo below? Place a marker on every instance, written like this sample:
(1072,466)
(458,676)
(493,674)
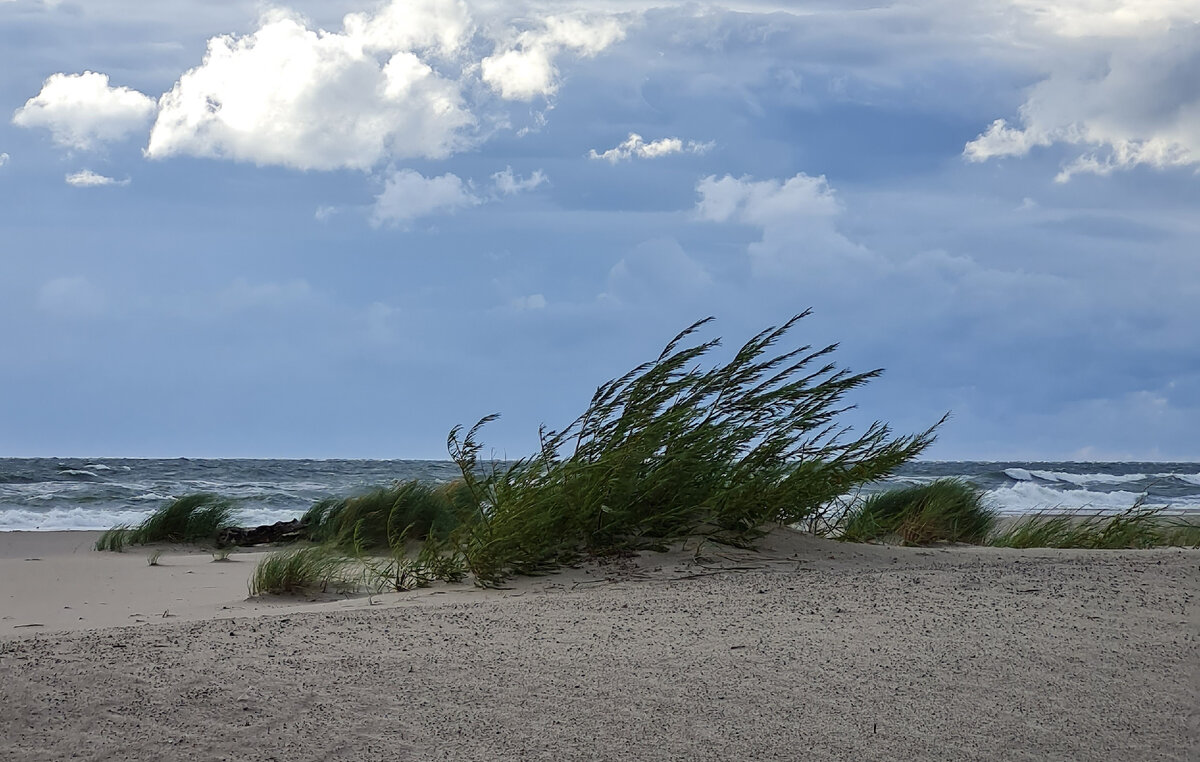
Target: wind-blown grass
(945,510)
(670,449)
(411,509)
(304,569)
(1136,527)
(196,518)
(114,539)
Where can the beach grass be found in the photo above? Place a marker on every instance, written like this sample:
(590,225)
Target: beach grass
(375,519)
(671,449)
(304,569)
(194,518)
(114,539)
(1135,527)
(945,510)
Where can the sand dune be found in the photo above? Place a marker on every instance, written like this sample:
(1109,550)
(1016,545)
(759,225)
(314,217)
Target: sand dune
(806,650)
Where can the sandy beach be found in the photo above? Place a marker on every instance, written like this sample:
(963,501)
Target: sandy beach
(808,649)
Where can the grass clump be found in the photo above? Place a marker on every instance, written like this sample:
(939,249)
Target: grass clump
(375,519)
(304,569)
(1135,527)
(114,539)
(196,518)
(945,510)
(671,449)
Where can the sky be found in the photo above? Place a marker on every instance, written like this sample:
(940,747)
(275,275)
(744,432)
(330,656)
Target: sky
(338,229)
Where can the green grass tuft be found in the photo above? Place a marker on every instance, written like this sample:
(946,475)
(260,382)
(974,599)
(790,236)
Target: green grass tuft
(671,449)
(152,559)
(375,519)
(196,518)
(304,569)
(114,539)
(945,510)
(1136,527)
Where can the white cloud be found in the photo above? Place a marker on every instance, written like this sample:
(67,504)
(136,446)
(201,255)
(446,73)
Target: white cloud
(3,159)
(635,145)
(86,178)
(508,183)
(797,218)
(72,297)
(82,110)
(1137,104)
(408,195)
(398,83)
(309,99)
(525,69)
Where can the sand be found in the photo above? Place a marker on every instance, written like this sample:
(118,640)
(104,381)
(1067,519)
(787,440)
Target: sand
(806,650)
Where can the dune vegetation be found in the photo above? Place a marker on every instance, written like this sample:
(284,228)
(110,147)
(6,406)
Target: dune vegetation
(195,518)
(671,449)
(945,510)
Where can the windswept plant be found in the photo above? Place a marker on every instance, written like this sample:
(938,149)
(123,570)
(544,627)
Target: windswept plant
(196,518)
(114,539)
(671,449)
(1135,527)
(945,510)
(306,569)
(374,519)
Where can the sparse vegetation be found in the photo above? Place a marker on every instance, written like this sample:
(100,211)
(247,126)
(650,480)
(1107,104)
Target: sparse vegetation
(304,569)
(1136,527)
(669,450)
(114,539)
(945,510)
(221,554)
(152,559)
(377,518)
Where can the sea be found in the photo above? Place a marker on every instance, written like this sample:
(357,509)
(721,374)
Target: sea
(45,494)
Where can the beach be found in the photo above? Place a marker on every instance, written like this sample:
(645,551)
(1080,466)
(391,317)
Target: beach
(806,649)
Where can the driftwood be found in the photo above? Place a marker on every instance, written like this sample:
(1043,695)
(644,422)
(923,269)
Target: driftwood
(280,531)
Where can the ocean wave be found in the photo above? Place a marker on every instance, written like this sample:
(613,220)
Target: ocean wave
(1082,479)
(98,467)
(1019,474)
(78,472)
(1030,497)
(89,519)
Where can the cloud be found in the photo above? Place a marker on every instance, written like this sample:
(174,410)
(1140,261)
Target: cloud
(82,110)
(408,194)
(508,184)
(797,218)
(3,159)
(1136,104)
(307,99)
(71,297)
(86,178)
(634,145)
(525,69)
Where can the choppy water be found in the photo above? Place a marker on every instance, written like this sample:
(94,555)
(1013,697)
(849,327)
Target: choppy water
(67,493)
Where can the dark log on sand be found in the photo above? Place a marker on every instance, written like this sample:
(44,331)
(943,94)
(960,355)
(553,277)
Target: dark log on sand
(280,531)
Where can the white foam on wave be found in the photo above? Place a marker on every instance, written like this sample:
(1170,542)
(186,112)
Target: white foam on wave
(1019,474)
(1029,497)
(1082,479)
(98,467)
(79,472)
(1189,478)
(59,519)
